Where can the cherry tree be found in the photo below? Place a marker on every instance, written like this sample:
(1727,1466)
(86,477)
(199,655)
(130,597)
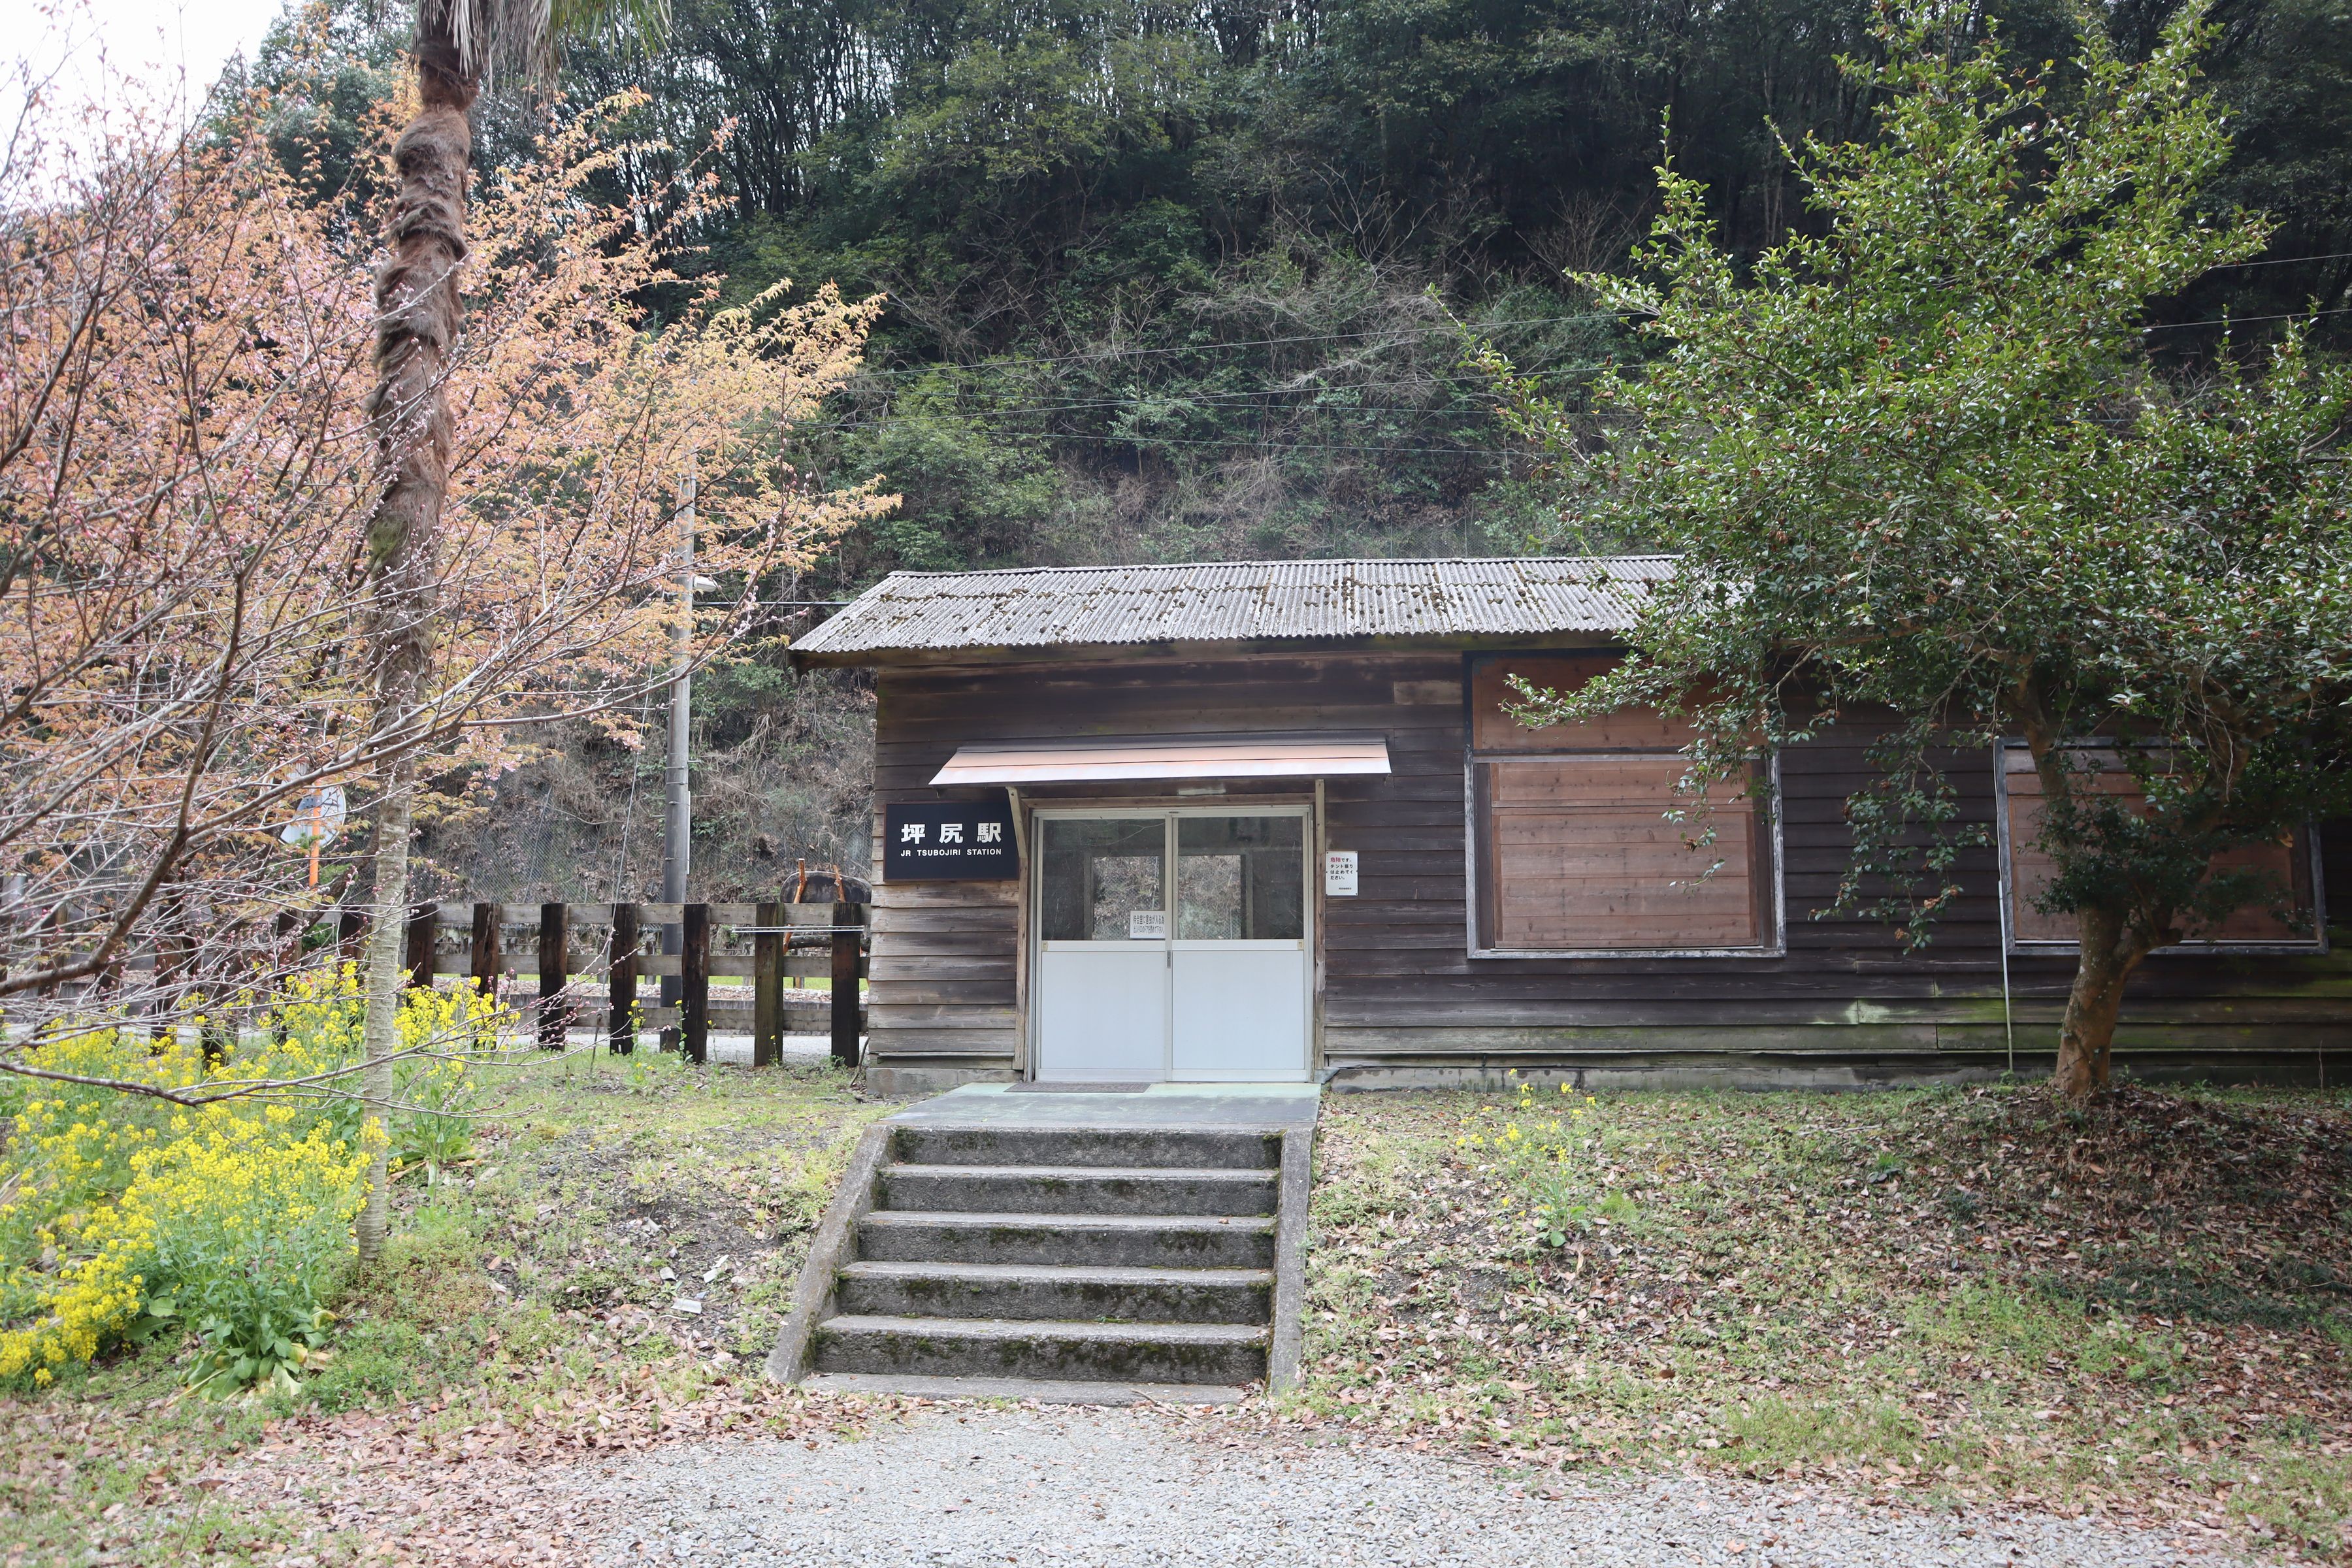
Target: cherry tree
(192,461)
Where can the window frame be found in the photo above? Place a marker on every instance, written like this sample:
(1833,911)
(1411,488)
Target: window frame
(1033,926)
(2221,947)
(1776,942)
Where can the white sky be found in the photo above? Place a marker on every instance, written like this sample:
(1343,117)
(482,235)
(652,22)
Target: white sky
(159,41)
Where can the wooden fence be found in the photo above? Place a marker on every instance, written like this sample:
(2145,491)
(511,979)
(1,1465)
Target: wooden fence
(786,942)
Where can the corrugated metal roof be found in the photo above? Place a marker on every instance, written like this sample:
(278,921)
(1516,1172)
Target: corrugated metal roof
(1233,601)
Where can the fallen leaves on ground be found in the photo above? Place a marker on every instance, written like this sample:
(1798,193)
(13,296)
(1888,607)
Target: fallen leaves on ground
(2142,1310)
(461,1479)
(415,1486)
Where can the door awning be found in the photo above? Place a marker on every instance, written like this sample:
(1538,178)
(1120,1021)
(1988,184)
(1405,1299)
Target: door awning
(1098,758)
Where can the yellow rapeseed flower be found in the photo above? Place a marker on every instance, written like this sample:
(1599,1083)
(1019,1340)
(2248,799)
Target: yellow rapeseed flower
(112,1196)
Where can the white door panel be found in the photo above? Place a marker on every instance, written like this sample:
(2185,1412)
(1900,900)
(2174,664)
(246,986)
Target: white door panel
(1172,944)
(1240,1011)
(1102,1013)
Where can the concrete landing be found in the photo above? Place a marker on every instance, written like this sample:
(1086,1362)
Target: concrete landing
(1174,1105)
(1045,1391)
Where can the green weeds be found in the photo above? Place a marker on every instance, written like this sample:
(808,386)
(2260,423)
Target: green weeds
(1972,1294)
(525,1283)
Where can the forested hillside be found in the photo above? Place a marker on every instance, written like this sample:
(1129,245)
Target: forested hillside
(1173,282)
(1169,281)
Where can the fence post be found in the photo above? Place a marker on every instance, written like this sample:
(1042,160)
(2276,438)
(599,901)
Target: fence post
(423,919)
(554,974)
(621,1030)
(694,984)
(768,985)
(175,954)
(846,919)
(217,1037)
(486,962)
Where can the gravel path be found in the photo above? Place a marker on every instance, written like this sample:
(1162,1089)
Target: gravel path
(1118,1488)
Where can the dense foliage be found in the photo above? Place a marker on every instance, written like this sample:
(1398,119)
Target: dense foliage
(1159,275)
(1922,463)
(1174,283)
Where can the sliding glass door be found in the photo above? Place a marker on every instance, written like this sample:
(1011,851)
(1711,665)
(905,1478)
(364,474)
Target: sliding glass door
(1172,944)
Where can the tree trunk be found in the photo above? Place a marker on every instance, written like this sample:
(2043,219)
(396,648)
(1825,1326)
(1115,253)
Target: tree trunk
(417,317)
(382,974)
(2110,952)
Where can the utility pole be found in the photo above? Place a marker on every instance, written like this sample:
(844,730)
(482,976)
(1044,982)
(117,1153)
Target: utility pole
(678,823)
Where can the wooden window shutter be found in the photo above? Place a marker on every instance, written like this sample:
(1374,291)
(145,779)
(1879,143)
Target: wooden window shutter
(2030,868)
(1576,848)
(1578,856)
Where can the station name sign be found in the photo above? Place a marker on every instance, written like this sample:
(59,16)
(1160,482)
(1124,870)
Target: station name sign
(949,841)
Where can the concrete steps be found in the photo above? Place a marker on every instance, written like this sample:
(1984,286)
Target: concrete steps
(1198,1149)
(1086,1293)
(998,1258)
(1134,1241)
(1086,1353)
(1078,1190)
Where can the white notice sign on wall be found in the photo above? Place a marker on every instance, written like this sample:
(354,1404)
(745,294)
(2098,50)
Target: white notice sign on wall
(1339,874)
(1147,925)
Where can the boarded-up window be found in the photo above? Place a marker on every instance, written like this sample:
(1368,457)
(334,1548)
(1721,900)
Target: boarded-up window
(1576,850)
(2029,869)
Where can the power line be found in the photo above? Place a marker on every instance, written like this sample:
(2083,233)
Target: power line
(1432,329)
(1435,328)
(1405,334)
(2281,261)
(1289,445)
(1231,397)
(1204,441)
(2247,320)
(1021,411)
(1175,403)
(705,602)
(1228,398)
(1221,400)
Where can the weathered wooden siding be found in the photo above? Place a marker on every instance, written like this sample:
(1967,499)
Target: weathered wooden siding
(943,986)
(1404,1001)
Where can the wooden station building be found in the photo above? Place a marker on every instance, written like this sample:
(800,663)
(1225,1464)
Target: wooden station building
(1268,821)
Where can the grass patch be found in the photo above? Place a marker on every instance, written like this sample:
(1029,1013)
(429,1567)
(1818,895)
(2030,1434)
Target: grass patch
(1972,1295)
(525,1289)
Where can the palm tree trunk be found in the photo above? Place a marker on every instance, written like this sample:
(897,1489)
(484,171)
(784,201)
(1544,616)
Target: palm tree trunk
(417,317)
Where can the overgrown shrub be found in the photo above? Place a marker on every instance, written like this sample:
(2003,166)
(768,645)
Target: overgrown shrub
(248,1230)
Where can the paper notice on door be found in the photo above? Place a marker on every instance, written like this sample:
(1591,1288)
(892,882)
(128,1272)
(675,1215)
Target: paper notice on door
(1147,925)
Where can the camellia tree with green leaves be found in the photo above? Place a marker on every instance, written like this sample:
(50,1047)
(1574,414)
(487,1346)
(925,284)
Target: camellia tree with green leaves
(1921,460)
